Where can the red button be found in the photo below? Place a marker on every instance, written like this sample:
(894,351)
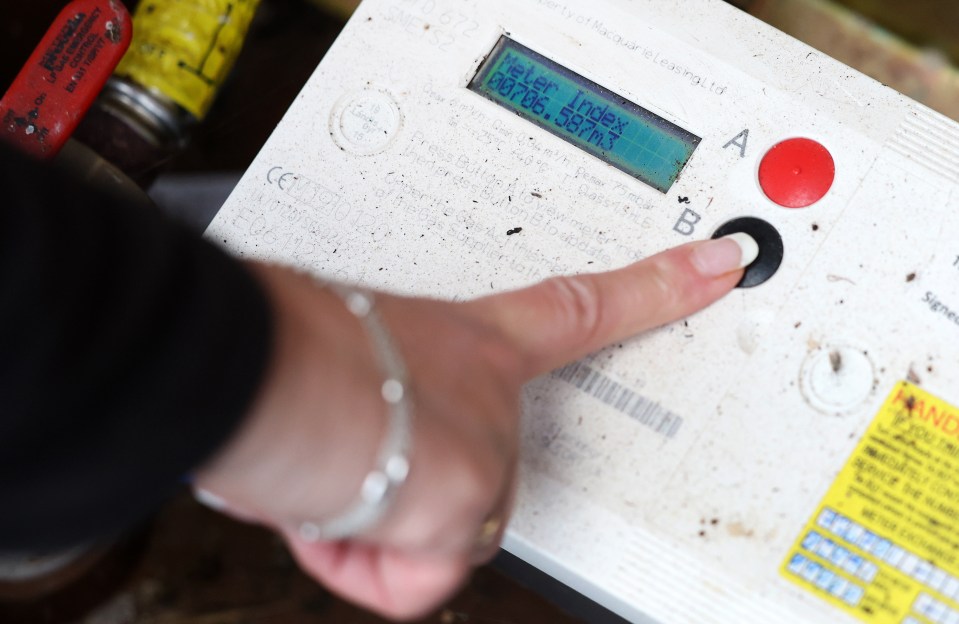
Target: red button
(797,173)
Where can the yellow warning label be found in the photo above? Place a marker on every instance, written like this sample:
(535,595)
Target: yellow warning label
(884,544)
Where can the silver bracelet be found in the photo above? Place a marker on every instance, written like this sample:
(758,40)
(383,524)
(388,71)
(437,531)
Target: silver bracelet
(393,459)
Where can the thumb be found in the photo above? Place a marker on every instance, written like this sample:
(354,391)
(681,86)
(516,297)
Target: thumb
(565,318)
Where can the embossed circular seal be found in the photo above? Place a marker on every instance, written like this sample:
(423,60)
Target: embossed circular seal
(365,122)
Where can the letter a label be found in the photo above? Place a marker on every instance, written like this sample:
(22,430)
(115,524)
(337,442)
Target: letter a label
(740,141)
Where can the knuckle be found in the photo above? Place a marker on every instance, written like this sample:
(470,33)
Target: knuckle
(474,491)
(473,481)
(576,303)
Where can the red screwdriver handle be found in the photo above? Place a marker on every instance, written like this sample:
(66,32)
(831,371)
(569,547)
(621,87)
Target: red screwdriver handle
(66,71)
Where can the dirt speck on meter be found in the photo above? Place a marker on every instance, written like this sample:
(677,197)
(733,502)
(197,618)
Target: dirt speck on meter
(835,360)
(913,377)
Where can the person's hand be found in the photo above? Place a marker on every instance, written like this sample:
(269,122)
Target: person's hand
(314,431)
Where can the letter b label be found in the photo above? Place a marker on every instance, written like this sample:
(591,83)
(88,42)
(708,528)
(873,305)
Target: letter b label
(687,223)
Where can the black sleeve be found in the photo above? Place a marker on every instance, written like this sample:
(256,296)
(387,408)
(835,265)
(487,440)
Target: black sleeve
(129,350)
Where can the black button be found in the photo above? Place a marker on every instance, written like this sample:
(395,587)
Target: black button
(770,249)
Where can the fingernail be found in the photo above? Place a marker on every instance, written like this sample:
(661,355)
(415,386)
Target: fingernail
(723,255)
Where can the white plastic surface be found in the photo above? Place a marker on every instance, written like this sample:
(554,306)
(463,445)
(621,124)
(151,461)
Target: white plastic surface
(668,477)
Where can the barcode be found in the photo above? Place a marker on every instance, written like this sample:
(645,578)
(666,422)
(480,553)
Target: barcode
(621,398)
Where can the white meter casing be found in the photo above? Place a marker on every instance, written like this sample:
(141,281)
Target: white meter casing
(712,471)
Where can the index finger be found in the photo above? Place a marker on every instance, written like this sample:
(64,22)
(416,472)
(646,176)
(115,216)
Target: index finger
(565,318)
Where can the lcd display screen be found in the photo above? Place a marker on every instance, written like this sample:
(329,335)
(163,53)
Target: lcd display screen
(593,118)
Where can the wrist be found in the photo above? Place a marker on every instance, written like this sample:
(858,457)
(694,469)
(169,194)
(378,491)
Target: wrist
(392,467)
(313,431)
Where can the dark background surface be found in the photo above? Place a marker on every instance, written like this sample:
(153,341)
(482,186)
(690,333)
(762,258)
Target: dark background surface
(190,565)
